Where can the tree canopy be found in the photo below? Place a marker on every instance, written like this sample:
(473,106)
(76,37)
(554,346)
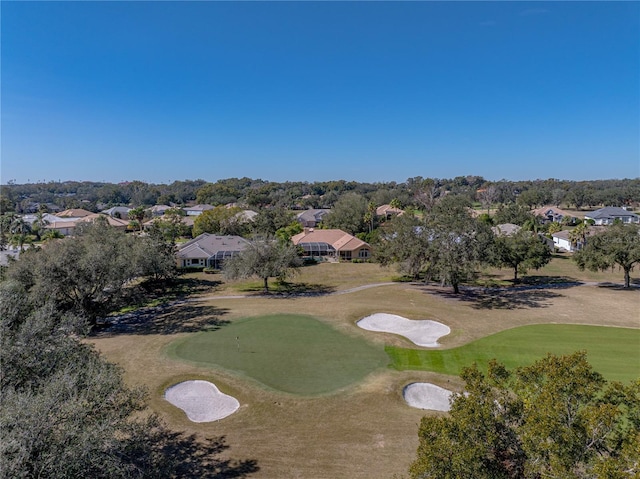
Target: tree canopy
(556,418)
(403,243)
(520,252)
(447,244)
(220,220)
(515,213)
(618,245)
(65,411)
(348,214)
(87,273)
(264,258)
(457,242)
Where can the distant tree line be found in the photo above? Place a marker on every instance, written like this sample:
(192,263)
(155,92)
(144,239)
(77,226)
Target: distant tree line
(416,192)
(437,238)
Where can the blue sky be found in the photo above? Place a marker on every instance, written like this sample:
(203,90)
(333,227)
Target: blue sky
(364,91)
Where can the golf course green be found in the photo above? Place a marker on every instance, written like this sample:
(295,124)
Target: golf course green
(291,353)
(613,352)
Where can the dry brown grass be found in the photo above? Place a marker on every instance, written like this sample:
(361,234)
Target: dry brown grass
(366,431)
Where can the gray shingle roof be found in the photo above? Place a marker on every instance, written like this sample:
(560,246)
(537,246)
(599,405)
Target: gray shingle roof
(207,245)
(610,212)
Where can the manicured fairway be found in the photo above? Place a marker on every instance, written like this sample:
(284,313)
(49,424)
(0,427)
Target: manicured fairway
(614,352)
(291,353)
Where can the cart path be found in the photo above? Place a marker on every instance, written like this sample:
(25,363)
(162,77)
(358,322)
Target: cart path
(289,295)
(428,286)
(524,287)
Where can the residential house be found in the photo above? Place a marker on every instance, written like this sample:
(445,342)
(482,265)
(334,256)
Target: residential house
(64,227)
(562,239)
(115,222)
(158,210)
(388,211)
(47,217)
(209,250)
(609,214)
(34,207)
(333,243)
(551,214)
(506,229)
(65,221)
(312,217)
(196,210)
(67,226)
(73,213)
(246,216)
(121,212)
(185,220)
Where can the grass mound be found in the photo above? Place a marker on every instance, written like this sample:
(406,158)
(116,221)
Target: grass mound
(613,352)
(291,353)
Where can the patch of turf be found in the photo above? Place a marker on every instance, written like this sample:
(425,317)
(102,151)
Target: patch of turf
(613,352)
(291,353)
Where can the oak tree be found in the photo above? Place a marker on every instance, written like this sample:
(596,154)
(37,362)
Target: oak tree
(618,245)
(263,258)
(458,243)
(555,418)
(520,251)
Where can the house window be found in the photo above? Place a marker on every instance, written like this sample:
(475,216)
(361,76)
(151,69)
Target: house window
(363,253)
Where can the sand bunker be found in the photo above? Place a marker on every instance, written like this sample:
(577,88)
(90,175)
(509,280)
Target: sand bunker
(422,332)
(201,400)
(427,396)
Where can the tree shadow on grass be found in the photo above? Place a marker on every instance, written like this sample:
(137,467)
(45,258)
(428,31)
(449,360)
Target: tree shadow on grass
(283,289)
(180,317)
(547,281)
(634,286)
(509,298)
(166,290)
(192,458)
(303,289)
(515,297)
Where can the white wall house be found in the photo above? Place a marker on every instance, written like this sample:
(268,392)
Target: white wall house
(609,214)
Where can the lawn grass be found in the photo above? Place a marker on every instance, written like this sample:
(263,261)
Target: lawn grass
(322,277)
(561,268)
(364,431)
(614,352)
(290,353)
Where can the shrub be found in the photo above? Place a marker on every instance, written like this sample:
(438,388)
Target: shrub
(191,269)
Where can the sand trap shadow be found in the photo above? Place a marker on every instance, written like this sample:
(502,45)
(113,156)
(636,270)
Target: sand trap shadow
(202,401)
(422,332)
(427,396)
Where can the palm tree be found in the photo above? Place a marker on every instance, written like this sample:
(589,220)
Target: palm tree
(370,215)
(39,223)
(20,229)
(578,235)
(5,229)
(531,224)
(136,215)
(51,234)
(395,203)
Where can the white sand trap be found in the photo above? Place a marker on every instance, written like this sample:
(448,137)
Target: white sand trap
(422,332)
(201,400)
(427,396)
